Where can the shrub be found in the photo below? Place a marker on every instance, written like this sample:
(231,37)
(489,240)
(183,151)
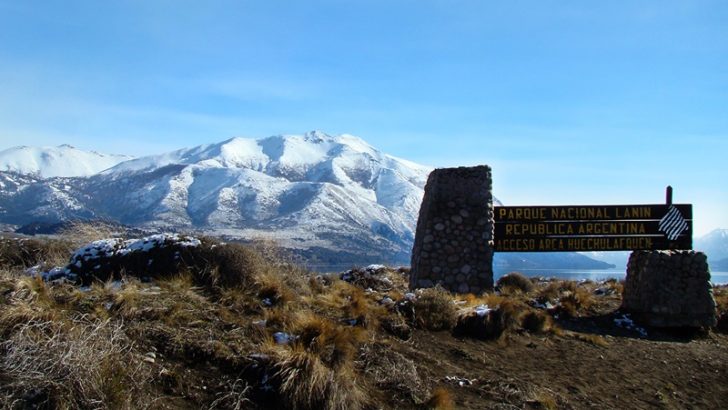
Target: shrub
(434,310)
(515,281)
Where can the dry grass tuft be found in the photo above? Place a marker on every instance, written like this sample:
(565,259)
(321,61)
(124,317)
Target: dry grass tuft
(514,282)
(572,303)
(272,290)
(88,364)
(80,233)
(555,288)
(537,322)
(393,373)
(228,265)
(32,289)
(334,344)
(434,309)
(306,383)
(490,324)
(441,399)
(25,253)
(543,399)
(615,285)
(396,325)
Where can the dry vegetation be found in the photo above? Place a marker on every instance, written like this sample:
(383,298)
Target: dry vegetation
(238,327)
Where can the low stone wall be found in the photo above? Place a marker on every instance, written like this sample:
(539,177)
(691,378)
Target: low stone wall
(669,289)
(454,240)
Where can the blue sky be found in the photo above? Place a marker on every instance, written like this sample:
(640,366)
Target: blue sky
(571,102)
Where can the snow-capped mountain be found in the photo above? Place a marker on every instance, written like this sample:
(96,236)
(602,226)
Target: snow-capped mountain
(335,199)
(311,190)
(61,161)
(714,244)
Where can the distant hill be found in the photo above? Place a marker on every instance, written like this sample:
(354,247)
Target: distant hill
(720,265)
(61,161)
(714,244)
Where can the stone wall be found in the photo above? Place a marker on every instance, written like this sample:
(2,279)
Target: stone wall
(454,240)
(669,289)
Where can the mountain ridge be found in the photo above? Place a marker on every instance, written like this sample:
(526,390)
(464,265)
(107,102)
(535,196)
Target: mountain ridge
(336,194)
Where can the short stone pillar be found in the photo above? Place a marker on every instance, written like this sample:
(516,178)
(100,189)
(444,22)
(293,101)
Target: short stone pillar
(669,289)
(454,240)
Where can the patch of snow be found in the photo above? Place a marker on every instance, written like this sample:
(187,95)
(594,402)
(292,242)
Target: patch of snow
(460,381)
(117,246)
(548,305)
(482,310)
(283,338)
(626,322)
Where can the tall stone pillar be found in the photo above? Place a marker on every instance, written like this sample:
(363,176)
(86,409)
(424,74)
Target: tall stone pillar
(454,240)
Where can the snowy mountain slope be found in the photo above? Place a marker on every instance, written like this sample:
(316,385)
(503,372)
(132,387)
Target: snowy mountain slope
(61,161)
(714,244)
(335,194)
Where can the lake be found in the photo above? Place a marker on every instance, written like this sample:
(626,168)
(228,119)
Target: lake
(718,278)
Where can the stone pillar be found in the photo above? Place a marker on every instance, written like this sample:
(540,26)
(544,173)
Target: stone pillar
(454,240)
(669,289)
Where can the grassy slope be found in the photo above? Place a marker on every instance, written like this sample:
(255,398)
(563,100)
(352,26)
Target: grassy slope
(204,338)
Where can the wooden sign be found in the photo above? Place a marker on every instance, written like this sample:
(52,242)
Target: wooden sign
(593,228)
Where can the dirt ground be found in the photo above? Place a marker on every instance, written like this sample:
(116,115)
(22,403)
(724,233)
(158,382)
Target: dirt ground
(664,370)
